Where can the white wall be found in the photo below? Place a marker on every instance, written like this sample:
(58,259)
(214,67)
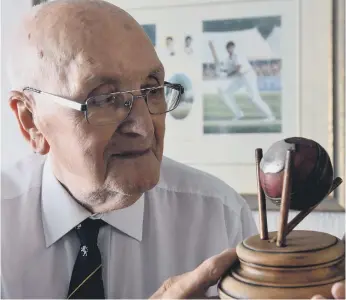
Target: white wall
(13,146)
(329,222)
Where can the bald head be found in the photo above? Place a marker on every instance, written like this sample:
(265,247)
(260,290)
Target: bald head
(58,40)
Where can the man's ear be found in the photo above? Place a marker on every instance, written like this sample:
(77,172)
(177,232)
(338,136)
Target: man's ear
(22,107)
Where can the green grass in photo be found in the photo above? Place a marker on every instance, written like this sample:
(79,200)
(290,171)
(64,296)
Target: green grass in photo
(218,117)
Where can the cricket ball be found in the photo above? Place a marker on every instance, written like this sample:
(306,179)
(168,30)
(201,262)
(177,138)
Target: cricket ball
(312,172)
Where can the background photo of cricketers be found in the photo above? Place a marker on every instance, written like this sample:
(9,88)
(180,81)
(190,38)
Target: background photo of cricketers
(247,100)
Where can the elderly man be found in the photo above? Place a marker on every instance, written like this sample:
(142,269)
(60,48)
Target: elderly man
(97,212)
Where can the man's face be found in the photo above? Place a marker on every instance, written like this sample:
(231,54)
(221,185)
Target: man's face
(122,158)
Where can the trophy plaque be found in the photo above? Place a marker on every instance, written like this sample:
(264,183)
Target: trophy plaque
(297,174)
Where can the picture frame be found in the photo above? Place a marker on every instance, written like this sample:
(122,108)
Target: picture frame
(339,95)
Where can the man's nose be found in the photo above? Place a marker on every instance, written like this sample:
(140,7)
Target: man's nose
(139,121)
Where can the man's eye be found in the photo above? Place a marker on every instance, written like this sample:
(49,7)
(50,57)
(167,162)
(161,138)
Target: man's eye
(110,99)
(156,92)
(101,101)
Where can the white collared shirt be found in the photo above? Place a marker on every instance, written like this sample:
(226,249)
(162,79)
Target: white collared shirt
(188,217)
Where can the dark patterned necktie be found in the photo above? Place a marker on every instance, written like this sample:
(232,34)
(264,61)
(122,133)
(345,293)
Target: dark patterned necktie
(86,280)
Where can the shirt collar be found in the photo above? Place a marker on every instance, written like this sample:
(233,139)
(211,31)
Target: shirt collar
(61,213)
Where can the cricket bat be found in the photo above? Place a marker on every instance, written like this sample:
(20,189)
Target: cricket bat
(213,52)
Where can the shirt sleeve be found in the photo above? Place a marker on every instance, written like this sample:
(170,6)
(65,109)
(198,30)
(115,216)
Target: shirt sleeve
(242,61)
(240,226)
(249,227)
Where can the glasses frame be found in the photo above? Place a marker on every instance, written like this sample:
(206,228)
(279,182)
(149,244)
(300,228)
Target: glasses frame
(83,107)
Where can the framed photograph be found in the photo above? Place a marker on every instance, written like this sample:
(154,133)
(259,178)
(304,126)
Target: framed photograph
(241,75)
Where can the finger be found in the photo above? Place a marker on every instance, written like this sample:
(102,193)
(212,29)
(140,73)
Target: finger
(338,290)
(204,276)
(318,297)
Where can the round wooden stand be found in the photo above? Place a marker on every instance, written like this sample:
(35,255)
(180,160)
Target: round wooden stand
(309,264)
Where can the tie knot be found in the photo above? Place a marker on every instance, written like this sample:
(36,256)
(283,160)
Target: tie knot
(88,231)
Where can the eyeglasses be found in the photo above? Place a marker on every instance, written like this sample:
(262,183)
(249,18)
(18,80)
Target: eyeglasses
(115,107)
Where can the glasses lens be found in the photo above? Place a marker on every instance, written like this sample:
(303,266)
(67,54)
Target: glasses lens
(162,99)
(109,109)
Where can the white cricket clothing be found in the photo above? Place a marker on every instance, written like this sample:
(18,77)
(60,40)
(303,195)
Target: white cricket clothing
(188,50)
(247,78)
(233,61)
(188,217)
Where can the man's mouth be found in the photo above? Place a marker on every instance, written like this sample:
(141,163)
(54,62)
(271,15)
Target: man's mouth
(131,154)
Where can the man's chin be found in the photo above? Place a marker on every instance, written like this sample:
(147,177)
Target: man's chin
(134,176)
(122,192)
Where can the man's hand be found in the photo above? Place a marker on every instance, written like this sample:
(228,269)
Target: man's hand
(338,291)
(195,283)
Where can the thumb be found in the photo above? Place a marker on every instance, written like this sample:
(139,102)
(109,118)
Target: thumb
(204,276)
(338,290)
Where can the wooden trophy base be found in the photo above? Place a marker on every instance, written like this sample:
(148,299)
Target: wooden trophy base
(309,264)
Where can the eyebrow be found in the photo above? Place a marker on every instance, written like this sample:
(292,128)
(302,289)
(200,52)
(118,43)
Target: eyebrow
(116,82)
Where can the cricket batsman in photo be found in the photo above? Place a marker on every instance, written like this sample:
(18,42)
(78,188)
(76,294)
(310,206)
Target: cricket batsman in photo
(241,74)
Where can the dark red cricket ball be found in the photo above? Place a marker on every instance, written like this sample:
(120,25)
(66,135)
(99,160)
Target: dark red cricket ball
(312,172)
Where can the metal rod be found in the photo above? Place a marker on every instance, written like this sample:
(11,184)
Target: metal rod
(301,216)
(261,198)
(285,200)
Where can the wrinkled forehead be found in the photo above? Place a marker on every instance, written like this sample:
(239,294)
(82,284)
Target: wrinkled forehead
(122,51)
